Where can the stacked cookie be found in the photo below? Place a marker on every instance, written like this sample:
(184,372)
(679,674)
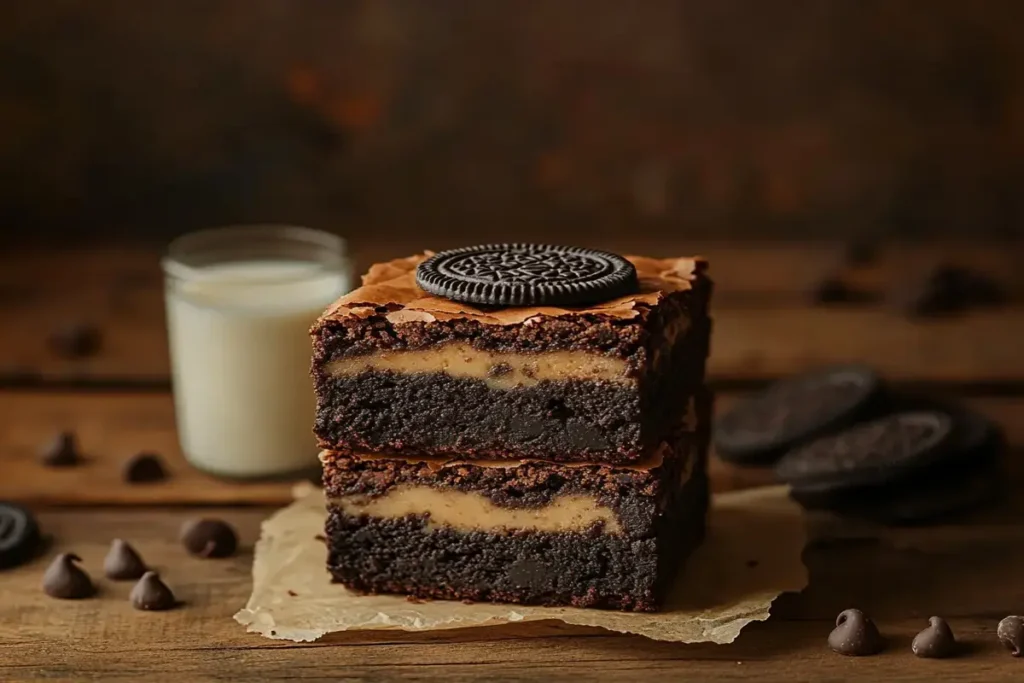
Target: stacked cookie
(516,423)
(846,443)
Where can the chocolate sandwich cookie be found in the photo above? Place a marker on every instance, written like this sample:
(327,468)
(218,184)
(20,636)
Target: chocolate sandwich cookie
(19,535)
(793,411)
(527,275)
(921,499)
(873,453)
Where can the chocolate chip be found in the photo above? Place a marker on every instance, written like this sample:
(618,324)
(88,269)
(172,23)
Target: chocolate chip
(62,451)
(936,641)
(144,468)
(209,538)
(122,562)
(1011,634)
(150,593)
(75,341)
(65,580)
(855,635)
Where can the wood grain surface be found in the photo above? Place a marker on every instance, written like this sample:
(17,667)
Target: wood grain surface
(119,403)
(765,325)
(970,577)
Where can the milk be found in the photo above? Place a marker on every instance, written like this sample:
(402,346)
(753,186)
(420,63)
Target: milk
(240,350)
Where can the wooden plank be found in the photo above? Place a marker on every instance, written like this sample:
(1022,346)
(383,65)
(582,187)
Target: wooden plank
(967,574)
(111,428)
(765,326)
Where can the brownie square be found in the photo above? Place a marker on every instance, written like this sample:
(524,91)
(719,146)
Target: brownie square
(530,532)
(398,369)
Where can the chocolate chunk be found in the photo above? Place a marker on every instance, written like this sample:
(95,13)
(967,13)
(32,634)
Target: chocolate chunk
(855,635)
(76,341)
(19,535)
(122,562)
(860,252)
(950,289)
(152,594)
(209,538)
(833,290)
(1011,634)
(936,641)
(66,580)
(61,452)
(872,453)
(793,411)
(144,468)
(527,275)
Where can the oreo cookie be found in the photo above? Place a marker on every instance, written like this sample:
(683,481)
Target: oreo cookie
(527,275)
(19,535)
(922,499)
(969,475)
(870,454)
(794,411)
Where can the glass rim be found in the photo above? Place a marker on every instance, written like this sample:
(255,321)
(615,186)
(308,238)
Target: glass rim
(332,248)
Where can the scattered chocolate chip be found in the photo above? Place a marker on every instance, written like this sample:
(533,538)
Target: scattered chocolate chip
(855,635)
(62,451)
(1011,634)
(209,538)
(19,535)
(936,641)
(76,341)
(292,593)
(860,252)
(144,468)
(65,580)
(950,289)
(321,538)
(123,562)
(150,593)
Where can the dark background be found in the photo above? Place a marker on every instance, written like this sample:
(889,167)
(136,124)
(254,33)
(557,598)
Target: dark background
(129,119)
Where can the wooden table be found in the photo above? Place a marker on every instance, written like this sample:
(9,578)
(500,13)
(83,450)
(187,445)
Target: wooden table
(119,403)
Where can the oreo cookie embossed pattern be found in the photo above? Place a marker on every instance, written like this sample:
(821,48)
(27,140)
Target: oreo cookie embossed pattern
(527,275)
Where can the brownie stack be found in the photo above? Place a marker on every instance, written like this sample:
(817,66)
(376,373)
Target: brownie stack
(549,452)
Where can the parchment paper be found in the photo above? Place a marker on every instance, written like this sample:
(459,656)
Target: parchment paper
(751,555)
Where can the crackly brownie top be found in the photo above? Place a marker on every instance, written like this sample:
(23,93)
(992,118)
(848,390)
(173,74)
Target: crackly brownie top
(390,288)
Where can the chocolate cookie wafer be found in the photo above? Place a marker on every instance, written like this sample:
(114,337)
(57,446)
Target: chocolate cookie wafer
(872,453)
(794,411)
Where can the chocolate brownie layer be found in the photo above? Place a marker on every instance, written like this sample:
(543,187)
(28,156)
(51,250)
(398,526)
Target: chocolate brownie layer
(396,368)
(528,532)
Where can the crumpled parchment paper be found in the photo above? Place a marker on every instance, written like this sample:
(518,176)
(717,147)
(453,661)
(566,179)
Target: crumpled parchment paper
(751,555)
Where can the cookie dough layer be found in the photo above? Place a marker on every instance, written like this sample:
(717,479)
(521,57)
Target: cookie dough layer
(496,370)
(660,511)
(464,511)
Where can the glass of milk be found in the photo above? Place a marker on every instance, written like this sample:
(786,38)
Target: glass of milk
(240,302)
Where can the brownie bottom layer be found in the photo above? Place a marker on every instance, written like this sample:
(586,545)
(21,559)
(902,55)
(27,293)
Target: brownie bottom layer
(589,569)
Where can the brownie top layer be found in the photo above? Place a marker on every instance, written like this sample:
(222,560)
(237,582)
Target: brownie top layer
(390,288)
